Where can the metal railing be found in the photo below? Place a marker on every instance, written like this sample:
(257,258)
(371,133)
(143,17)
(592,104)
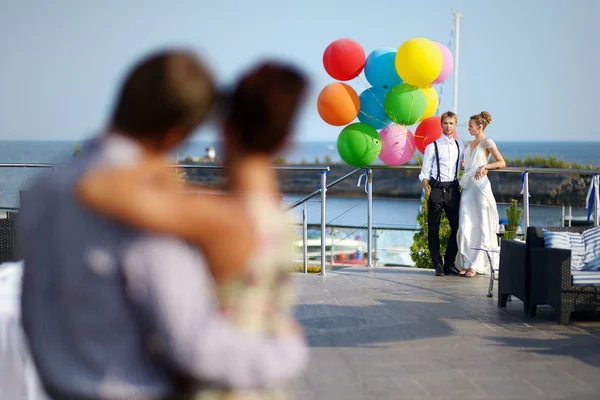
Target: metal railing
(525,171)
(323,192)
(368,171)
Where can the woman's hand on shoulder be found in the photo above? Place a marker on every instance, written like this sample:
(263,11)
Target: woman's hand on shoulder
(129,194)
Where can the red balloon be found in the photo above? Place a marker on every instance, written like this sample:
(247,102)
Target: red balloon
(428,131)
(344,59)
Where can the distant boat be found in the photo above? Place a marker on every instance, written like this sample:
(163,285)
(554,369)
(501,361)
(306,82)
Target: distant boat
(330,147)
(342,248)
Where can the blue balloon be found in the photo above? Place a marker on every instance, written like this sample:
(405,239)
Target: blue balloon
(372,111)
(380,68)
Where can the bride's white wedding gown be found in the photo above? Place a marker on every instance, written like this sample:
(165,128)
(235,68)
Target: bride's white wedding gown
(478,213)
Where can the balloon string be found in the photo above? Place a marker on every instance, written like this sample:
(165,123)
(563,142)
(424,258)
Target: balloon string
(377,100)
(372,117)
(393,120)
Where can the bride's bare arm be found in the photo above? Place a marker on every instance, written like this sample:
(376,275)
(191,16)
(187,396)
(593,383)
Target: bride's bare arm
(498,164)
(149,198)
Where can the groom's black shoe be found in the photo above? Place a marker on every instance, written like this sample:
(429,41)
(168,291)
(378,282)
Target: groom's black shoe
(451,270)
(439,270)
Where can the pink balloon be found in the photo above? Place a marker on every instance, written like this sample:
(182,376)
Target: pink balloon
(447,66)
(398,145)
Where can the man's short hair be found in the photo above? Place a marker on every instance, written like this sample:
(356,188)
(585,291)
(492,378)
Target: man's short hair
(449,114)
(167,90)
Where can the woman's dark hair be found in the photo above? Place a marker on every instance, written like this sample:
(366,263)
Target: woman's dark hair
(167,90)
(262,107)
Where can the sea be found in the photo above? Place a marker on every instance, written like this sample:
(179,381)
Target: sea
(394,220)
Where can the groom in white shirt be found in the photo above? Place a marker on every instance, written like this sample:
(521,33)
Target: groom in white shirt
(439,176)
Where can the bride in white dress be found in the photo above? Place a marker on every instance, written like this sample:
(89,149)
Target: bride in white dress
(478,213)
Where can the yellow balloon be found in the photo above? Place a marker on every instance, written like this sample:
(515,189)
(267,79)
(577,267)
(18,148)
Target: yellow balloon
(432,99)
(419,61)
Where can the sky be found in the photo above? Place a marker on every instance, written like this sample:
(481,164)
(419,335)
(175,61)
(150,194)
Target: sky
(531,63)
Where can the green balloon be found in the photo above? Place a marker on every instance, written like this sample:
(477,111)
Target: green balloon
(405,104)
(359,144)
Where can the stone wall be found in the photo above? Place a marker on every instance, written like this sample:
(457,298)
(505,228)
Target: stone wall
(545,189)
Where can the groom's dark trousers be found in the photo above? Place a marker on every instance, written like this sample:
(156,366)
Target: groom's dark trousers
(444,196)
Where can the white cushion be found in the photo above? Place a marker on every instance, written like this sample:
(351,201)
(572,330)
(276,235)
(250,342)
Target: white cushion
(567,241)
(10,288)
(591,240)
(18,376)
(586,278)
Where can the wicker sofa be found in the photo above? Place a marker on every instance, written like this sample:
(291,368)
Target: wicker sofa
(553,282)
(516,263)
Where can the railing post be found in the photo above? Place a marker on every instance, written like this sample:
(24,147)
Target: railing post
(369,218)
(375,237)
(323,220)
(526,199)
(305,238)
(331,255)
(597,201)
(570,215)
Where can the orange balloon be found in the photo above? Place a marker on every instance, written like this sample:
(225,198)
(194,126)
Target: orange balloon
(338,104)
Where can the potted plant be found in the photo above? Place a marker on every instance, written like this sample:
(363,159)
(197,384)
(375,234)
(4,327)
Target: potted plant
(513,212)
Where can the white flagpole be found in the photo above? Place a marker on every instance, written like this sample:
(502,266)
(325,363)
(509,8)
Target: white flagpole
(457,16)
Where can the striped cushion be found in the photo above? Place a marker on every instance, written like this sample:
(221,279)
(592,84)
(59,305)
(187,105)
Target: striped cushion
(568,241)
(586,278)
(591,239)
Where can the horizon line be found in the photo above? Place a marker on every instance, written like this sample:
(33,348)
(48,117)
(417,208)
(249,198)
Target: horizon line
(314,140)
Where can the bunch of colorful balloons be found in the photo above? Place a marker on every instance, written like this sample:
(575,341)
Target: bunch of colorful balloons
(400,95)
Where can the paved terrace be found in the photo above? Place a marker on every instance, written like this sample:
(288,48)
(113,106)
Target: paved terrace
(402,333)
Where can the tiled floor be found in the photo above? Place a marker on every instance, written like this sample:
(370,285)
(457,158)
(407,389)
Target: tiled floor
(402,333)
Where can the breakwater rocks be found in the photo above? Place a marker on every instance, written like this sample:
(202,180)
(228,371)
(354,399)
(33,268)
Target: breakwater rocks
(545,189)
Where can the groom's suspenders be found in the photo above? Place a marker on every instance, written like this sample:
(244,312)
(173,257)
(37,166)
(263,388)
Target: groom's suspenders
(457,160)
(437,160)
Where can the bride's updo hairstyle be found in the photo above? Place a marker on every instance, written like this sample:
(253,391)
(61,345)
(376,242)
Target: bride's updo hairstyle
(484,118)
